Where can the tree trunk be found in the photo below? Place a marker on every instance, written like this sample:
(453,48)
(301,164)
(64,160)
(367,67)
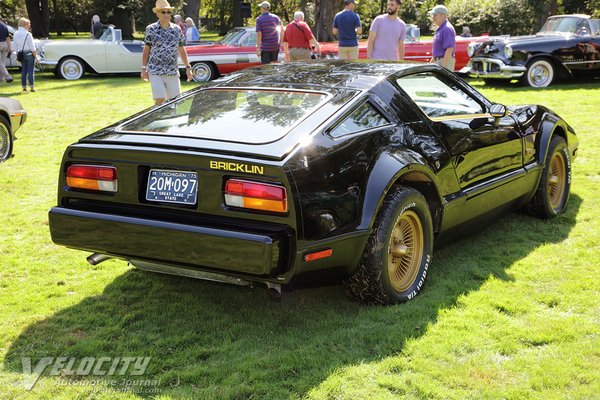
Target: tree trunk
(545,9)
(58,23)
(191,9)
(325,10)
(39,15)
(236,14)
(123,19)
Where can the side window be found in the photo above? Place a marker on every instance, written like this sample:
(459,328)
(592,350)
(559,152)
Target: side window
(363,118)
(438,98)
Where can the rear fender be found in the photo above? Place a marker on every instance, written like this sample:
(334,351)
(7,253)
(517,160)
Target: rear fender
(552,125)
(408,169)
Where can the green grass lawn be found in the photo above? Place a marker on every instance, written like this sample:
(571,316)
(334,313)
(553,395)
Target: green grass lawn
(513,312)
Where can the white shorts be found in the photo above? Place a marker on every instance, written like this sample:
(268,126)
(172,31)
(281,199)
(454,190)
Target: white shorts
(164,86)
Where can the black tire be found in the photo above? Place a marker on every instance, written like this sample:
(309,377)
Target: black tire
(71,68)
(540,73)
(6,142)
(203,72)
(552,194)
(397,256)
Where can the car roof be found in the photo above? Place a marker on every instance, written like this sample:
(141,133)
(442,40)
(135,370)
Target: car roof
(318,75)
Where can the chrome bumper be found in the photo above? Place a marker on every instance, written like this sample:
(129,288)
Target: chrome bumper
(493,68)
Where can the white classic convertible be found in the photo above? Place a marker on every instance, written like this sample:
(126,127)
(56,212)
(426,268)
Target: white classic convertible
(108,55)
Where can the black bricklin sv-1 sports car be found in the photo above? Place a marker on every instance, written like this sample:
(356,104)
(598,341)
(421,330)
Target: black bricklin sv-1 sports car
(292,168)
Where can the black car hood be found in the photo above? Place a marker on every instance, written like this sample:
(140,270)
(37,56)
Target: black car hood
(530,42)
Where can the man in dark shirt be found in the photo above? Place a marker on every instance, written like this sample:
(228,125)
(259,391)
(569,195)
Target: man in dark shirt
(346,26)
(4,52)
(444,40)
(98,27)
(268,27)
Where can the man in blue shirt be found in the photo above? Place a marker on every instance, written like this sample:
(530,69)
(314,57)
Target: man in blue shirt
(346,26)
(268,29)
(444,39)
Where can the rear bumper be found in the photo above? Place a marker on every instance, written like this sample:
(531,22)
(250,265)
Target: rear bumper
(259,255)
(493,68)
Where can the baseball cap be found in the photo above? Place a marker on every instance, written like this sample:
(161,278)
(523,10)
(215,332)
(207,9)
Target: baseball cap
(439,9)
(346,2)
(265,4)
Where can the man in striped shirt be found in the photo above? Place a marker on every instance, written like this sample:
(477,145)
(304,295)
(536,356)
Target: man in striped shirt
(268,27)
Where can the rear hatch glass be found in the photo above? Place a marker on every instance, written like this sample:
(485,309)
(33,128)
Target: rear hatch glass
(250,116)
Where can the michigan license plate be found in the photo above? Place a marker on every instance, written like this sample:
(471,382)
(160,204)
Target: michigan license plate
(172,186)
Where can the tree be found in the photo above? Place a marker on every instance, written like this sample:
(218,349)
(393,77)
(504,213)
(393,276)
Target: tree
(325,11)
(39,15)
(191,8)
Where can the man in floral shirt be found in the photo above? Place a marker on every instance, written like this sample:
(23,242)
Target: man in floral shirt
(163,41)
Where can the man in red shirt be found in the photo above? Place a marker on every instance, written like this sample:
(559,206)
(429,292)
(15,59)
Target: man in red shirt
(298,38)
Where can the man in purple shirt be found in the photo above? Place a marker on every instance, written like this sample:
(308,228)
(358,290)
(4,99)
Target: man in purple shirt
(268,27)
(444,39)
(387,34)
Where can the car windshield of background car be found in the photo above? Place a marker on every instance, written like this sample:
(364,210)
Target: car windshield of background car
(595,26)
(233,37)
(106,35)
(560,25)
(235,115)
(437,98)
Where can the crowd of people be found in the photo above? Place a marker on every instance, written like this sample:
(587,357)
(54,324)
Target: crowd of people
(385,41)
(164,42)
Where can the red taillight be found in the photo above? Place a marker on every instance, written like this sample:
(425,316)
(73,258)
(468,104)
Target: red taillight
(92,177)
(255,195)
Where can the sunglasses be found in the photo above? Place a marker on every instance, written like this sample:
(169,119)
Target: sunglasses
(165,12)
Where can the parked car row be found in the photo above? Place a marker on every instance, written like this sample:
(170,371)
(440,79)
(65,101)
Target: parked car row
(567,45)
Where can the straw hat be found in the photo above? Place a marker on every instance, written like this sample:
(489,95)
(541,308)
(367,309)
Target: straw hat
(162,5)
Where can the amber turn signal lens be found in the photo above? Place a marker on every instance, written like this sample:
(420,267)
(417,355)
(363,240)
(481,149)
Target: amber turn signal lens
(256,195)
(92,177)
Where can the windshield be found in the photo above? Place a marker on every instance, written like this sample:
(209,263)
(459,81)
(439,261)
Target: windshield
(595,27)
(564,25)
(233,37)
(235,115)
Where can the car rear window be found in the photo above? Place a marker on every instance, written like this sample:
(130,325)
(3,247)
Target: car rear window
(249,116)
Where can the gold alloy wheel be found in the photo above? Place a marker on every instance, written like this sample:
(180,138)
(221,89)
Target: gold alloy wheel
(405,251)
(557,177)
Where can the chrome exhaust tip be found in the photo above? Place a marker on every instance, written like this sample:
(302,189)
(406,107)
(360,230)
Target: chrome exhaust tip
(97,258)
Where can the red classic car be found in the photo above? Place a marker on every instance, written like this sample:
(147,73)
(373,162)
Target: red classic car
(418,50)
(237,50)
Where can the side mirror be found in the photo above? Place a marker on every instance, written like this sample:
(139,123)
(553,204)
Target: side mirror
(497,110)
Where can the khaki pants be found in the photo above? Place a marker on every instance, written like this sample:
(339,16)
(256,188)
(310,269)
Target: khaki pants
(298,54)
(4,75)
(348,53)
(450,67)
(164,86)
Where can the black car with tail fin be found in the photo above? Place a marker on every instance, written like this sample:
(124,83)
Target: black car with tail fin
(566,46)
